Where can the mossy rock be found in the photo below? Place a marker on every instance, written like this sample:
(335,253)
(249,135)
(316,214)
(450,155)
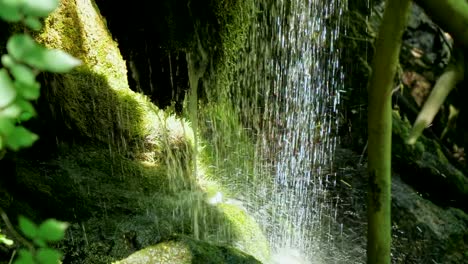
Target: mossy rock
(425,166)
(246,233)
(95,101)
(122,171)
(425,232)
(184,250)
(117,205)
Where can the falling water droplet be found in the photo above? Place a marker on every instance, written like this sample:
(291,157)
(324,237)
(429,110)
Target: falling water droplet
(285,99)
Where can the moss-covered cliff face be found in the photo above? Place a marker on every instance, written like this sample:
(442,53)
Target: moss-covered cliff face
(110,162)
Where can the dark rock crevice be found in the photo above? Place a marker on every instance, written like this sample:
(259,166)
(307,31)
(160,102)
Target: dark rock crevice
(153,45)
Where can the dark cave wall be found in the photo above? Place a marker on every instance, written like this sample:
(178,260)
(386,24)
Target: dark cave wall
(153,45)
(155,36)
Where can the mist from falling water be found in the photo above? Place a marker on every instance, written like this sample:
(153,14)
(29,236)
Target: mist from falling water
(284,102)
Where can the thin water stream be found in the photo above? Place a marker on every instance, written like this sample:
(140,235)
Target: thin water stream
(273,132)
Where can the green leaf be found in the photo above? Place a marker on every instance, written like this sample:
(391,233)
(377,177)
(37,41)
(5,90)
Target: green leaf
(23,73)
(28,91)
(28,227)
(13,3)
(27,110)
(22,46)
(52,230)
(33,23)
(40,242)
(48,256)
(7,60)
(4,240)
(25,116)
(21,109)
(57,61)
(7,126)
(12,111)
(7,89)
(24,257)
(21,137)
(9,11)
(39,8)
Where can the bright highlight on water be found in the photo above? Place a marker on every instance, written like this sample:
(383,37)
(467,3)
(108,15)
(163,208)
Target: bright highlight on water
(284,103)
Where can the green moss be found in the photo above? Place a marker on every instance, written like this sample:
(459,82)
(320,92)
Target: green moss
(400,131)
(228,148)
(426,164)
(246,233)
(95,101)
(234,18)
(184,250)
(220,26)
(130,182)
(119,205)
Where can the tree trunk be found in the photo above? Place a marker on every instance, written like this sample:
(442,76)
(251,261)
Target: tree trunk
(380,130)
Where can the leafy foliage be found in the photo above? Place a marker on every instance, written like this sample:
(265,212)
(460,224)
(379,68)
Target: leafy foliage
(50,230)
(17,10)
(18,84)
(25,59)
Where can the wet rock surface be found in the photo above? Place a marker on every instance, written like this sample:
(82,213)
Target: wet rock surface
(422,232)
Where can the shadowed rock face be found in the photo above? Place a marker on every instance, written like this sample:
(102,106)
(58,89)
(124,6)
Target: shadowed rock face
(153,37)
(156,36)
(422,232)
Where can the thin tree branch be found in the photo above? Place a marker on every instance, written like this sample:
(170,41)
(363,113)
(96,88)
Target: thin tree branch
(15,234)
(446,82)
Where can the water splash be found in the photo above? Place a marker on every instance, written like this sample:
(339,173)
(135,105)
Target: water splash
(293,46)
(283,103)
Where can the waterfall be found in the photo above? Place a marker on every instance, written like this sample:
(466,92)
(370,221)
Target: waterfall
(293,45)
(272,133)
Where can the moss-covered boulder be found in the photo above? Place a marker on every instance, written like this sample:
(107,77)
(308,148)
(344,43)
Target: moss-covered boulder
(184,250)
(242,231)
